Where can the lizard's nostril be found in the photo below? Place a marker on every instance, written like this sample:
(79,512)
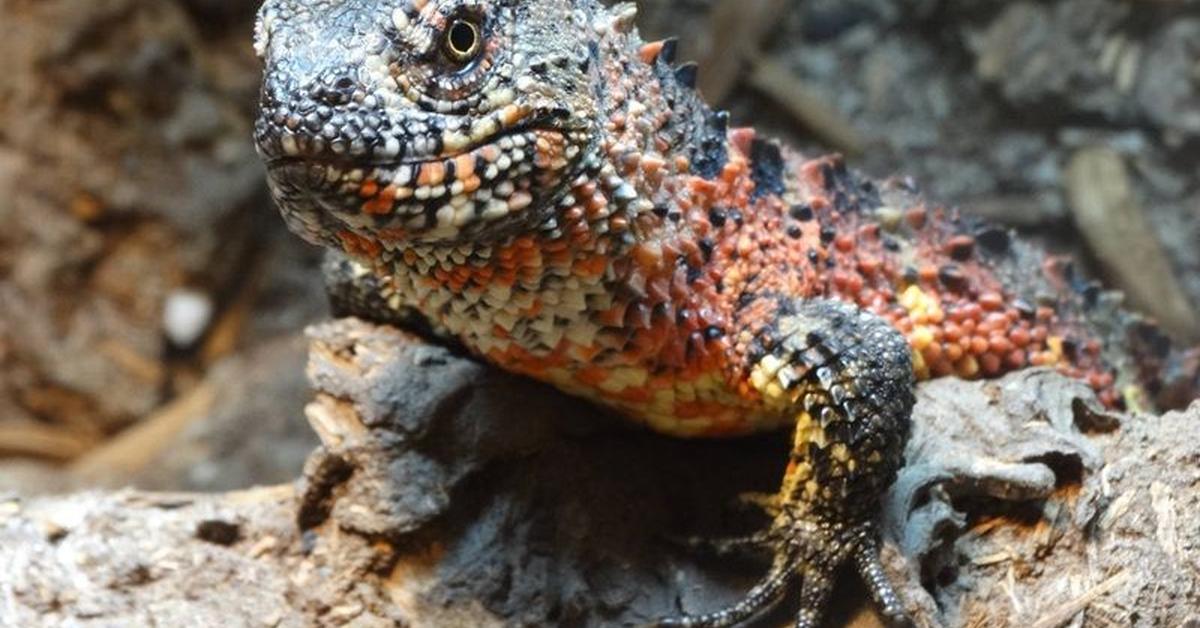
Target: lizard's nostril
(335,87)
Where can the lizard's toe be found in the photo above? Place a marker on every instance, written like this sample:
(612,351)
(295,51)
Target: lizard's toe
(759,543)
(760,502)
(800,549)
(761,597)
(810,552)
(870,568)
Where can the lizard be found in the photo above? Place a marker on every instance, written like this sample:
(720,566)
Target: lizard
(530,180)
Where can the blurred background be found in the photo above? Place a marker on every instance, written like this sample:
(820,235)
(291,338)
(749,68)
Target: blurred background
(152,304)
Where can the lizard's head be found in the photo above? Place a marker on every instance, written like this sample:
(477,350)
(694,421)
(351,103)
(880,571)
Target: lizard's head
(422,121)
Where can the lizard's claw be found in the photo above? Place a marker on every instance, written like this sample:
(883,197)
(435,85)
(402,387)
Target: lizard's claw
(763,502)
(762,542)
(759,543)
(807,551)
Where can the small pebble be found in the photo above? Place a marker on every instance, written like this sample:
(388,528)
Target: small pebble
(186,316)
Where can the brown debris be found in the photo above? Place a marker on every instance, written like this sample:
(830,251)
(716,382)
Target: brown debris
(800,100)
(1113,222)
(736,30)
(39,440)
(134,449)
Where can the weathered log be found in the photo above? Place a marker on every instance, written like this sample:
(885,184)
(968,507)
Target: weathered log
(447,493)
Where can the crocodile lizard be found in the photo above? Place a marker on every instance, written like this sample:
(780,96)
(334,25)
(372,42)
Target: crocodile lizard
(532,181)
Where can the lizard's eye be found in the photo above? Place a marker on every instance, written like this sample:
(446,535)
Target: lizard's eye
(463,41)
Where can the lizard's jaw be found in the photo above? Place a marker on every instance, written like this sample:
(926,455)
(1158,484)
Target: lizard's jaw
(498,188)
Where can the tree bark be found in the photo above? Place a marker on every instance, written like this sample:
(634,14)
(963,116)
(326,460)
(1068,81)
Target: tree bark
(447,493)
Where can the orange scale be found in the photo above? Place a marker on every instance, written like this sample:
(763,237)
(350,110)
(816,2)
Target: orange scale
(869,231)
(730,173)
(489,153)
(393,234)
(674,355)
(636,395)
(358,245)
(647,254)
(592,375)
(580,236)
(1015,359)
(652,166)
(991,301)
(658,290)
(573,215)
(942,368)
(432,173)
(464,166)
(1020,337)
(591,266)
(916,217)
(999,344)
(691,410)
(854,283)
(585,190)
(1041,358)
(702,186)
(382,203)
(996,321)
(742,139)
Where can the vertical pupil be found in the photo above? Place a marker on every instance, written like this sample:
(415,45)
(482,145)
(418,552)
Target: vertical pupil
(462,37)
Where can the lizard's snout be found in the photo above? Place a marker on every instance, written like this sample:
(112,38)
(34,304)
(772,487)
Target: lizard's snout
(330,118)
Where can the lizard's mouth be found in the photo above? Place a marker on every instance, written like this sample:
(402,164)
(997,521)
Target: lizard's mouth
(467,190)
(283,149)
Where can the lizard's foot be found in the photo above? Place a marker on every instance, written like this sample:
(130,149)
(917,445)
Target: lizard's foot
(809,552)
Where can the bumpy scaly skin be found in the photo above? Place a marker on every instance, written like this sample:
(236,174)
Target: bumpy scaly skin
(563,204)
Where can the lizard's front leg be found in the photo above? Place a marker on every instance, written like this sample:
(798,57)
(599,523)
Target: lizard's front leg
(355,290)
(846,377)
